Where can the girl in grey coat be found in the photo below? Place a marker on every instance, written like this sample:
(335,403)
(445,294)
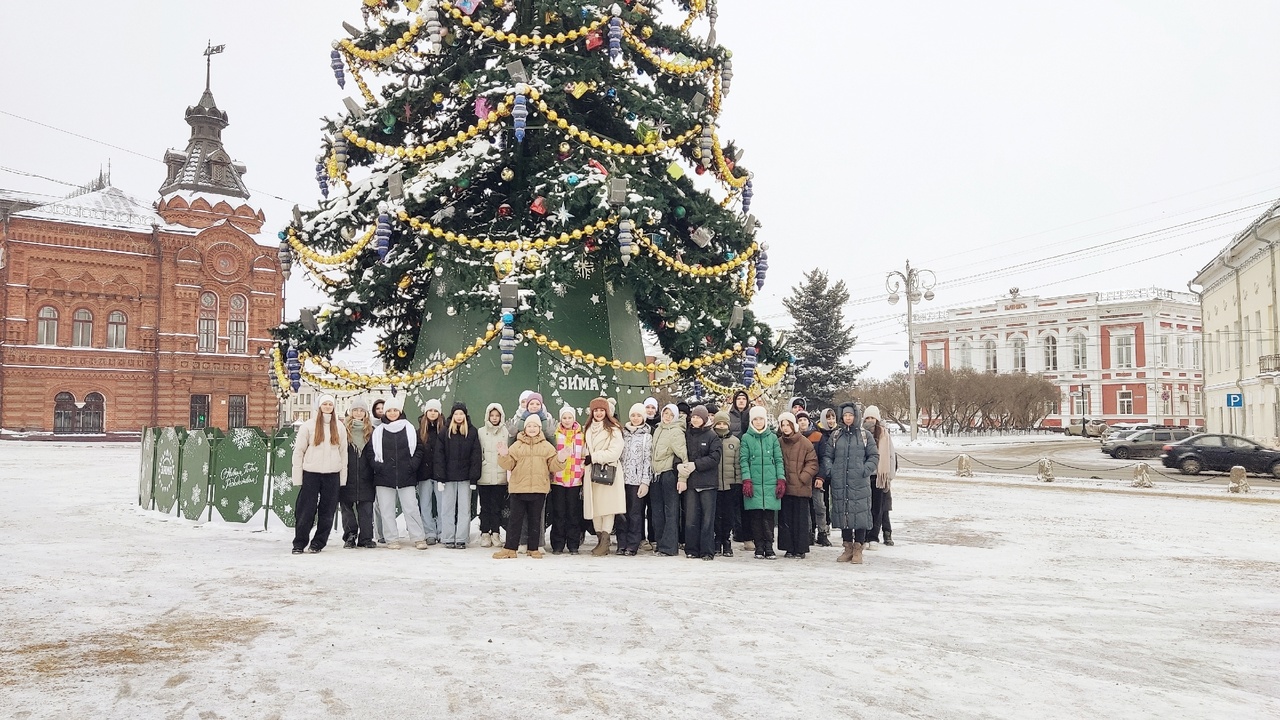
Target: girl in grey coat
(848,463)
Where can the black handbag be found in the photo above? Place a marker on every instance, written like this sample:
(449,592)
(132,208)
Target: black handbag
(603,474)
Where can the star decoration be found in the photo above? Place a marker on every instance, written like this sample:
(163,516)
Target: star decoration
(595,299)
(426,318)
(550,315)
(559,289)
(561,216)
(584,267)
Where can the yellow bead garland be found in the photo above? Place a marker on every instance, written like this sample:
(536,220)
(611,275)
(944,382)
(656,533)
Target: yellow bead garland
(608,145)
(725,173)
(341,258)
(421,152)
(578,356)
(712,271)
(487,244)
(666,65)
(506,37)
(376,56)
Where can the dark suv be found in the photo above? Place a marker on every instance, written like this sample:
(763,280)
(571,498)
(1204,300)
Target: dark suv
(1219,453)
(1143,443)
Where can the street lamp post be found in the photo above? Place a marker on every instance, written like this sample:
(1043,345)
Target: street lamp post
(916,284)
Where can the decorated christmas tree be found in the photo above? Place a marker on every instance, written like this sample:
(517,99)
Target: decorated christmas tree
(518,191)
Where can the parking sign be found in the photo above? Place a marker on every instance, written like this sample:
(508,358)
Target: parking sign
(1235,400)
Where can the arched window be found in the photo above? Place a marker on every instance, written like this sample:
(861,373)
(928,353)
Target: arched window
(117,329)
(93,414)
(1050,353)
(207,325)
(47,327)
(966,359)
(1079,352)
(1019,355)
(82,328)
(238,325)
(989,355)
(64,413)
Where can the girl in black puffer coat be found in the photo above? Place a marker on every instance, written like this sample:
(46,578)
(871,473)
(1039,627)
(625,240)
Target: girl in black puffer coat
(394,460)
(462,460)
(358,495)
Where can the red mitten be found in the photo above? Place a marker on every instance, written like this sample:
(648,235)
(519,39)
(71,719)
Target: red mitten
(780,489)
(747,489)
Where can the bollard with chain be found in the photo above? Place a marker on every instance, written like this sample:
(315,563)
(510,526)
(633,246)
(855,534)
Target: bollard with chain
(1142,476)
(1044,471)
(1239,482)
(963,467)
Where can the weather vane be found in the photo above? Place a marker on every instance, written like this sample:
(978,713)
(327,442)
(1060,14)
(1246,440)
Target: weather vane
(208,57)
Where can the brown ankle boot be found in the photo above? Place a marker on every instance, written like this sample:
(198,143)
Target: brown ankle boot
(602,545)
(857,553)
(847,555)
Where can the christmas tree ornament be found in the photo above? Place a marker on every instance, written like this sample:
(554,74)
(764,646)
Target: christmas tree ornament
(335,62)
(285,255)
(700,169)
(680,212)
(294,368)
(520,113)
(747,194)
(571,180)
(707,145)
(702,237)
(412,5)
(682,324)
(625,226)
(482,108)
(565,149)
(504,210)
(615,32)
(675,171)
(617,190)
(595,165)
(762,267)
(533,261)
(509,296)
(322,177)
(467,6)
(594,40)
(726,77)
(437,99)
(508,174)
(749,365)
(435,31)
(539,205)
(340,154)
(405,282)
(698,389)
(504,264)
(382,236)
(579,89)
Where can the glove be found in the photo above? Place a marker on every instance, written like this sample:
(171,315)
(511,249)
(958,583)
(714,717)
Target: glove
(643,491)
(780,489)
(682,486)
(747,489)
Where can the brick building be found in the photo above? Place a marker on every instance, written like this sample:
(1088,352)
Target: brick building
(116,313)
(1126,356)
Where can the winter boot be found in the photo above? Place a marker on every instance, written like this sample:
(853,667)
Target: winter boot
(847,555)
(485,540)
(857,553)
(504,554)
(602,545)
(824,539)
(748,546)
(888,539)
(535,554)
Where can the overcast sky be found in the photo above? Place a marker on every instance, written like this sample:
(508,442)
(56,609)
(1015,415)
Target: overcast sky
(970,138)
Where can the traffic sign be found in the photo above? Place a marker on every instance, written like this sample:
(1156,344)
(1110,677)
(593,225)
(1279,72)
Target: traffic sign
(1235,400)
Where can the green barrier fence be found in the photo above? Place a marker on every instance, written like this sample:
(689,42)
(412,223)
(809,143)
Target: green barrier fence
(193,487)
(168,466)
(239,474)
(283,495)
(147,471)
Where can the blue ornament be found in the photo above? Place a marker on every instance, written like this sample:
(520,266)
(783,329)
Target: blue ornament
(508,318)
(335,61)
(519,116)
(382,236)
(747,194)
(293,367)
(322,177)
(572,180)
(615,33)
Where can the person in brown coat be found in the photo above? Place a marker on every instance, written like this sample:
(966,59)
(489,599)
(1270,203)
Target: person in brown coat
(800,465)
(531,460)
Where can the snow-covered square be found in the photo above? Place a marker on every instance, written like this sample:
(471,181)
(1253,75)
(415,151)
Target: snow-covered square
(999,601)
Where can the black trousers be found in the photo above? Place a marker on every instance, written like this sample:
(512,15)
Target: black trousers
(317,504)
(566,518)
(526,513)
(493,500)
(729,514)
(666,512)
(761,524)
(357,520)
(631,529)
(650,533)
(858,536)
(881,502)
(794,534)
(699,522)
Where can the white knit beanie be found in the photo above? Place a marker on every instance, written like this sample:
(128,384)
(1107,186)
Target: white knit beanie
(759,412)
(567,410)
(787,417)
(432,404)
(638,408)
(871,412)
(322,399)
(394,403)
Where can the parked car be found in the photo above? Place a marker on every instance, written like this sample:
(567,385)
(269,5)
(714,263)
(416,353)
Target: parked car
(1094,428)
(1218,453)
(1142,443)
(1131,427)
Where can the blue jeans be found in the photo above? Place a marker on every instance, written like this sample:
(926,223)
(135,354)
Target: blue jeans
(430,498)
(455,512)
(665,506)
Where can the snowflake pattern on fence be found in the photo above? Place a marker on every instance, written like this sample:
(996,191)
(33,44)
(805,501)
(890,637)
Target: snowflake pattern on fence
(223,503)
(242,438)
(246,509)
(281,451)
(195,495)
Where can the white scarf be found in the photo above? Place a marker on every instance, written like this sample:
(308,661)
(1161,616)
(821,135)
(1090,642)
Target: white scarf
(400,425)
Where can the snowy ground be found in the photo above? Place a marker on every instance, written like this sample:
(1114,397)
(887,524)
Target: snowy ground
(1008,601)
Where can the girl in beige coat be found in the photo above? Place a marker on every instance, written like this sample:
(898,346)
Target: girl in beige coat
(604,445)
(319,471)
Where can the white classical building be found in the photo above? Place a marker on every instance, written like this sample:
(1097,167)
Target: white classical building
(1239,302)
(1126,356)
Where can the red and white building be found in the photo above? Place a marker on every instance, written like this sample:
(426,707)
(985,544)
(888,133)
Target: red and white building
(1126,356)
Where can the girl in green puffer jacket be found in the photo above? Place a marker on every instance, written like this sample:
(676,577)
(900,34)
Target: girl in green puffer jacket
(763,482)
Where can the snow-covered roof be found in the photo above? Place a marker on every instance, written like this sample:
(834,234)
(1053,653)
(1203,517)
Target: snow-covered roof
(205,166)
(109,207)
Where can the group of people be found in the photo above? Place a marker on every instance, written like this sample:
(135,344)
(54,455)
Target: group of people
(657,479)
